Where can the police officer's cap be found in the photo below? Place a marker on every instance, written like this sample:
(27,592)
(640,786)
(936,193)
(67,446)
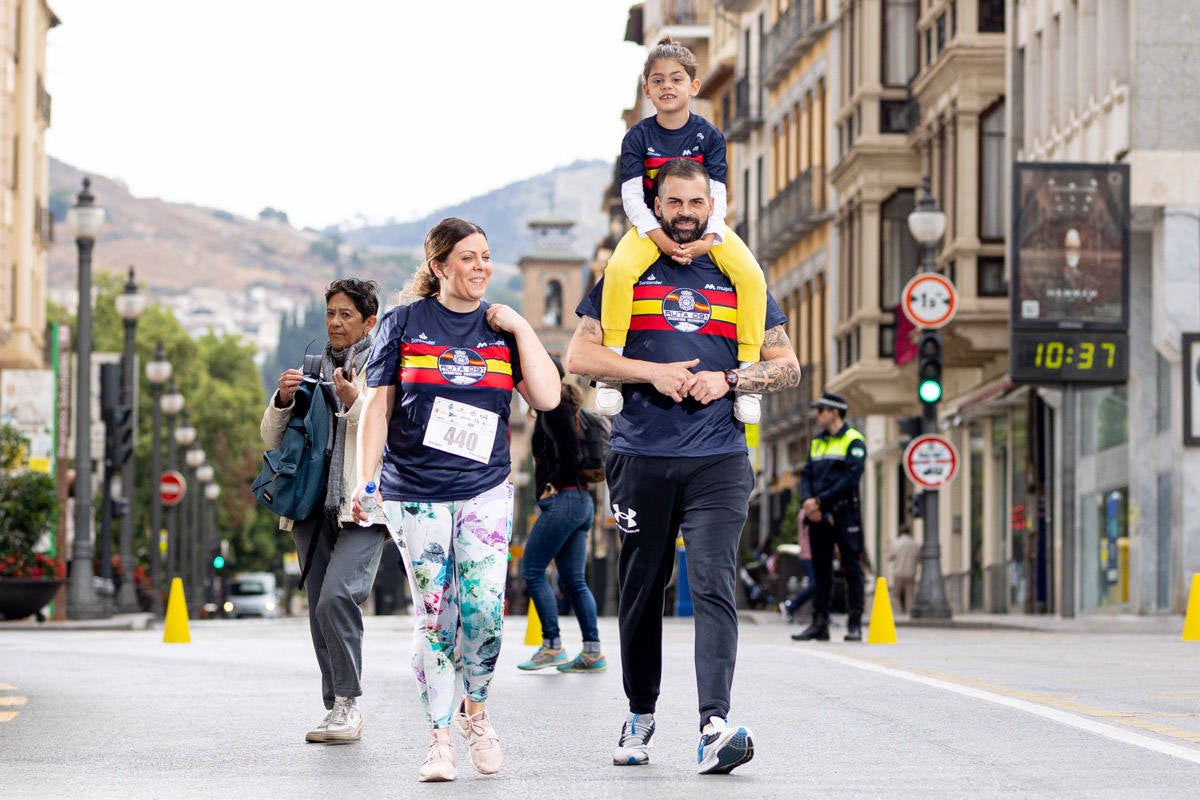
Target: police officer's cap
(831,400)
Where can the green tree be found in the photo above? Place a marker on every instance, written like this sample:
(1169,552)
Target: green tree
(224,399)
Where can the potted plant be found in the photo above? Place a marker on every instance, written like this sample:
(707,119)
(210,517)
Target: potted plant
(29,577)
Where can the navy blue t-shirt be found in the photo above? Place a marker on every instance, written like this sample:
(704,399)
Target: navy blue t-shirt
(679,313)
(430,351)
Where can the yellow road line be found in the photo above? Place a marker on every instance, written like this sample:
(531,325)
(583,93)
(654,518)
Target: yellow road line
(4,687)
(5,716)
(13,700)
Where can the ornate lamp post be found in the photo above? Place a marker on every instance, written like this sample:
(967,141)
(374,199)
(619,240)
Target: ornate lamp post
(129,306)
(177,549)
(85,220)
(171,404)
(211,492)
(195,460)
(158,370)
(927,223)
(204,477)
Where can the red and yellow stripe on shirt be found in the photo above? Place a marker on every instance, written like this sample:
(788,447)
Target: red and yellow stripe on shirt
(420,364)
(648,303)
(651,166)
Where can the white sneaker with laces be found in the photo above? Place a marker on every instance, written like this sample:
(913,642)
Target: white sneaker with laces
(723,747)
(633,748)
(317,734)
(345,722)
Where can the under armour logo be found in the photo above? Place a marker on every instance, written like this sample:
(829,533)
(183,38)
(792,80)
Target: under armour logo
(626,520)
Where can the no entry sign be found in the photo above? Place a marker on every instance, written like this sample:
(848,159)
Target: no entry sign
(171,488)
(930,461)
(929,300)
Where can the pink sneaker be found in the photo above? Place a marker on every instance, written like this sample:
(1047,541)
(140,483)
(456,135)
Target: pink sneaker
(483,745)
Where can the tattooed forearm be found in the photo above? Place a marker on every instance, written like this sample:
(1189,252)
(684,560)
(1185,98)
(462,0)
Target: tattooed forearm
(775,337)
(590,328)
(767,376)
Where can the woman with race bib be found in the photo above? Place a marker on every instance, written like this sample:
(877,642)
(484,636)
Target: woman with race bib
(440,379)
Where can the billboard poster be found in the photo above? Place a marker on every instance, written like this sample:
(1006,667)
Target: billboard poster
(1070,246)
(27,404)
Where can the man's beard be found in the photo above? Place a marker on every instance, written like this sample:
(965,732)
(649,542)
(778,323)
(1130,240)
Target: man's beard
(684,236)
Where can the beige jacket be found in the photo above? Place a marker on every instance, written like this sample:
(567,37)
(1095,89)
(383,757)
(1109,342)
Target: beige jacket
(274,423)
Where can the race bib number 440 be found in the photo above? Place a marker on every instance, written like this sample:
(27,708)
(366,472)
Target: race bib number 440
(462,429)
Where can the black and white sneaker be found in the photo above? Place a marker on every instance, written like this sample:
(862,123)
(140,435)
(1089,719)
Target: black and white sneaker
(723,747)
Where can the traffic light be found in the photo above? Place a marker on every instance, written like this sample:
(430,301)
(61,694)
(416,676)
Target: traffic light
(929,367)
(119,437)
(218,560)
(118,418)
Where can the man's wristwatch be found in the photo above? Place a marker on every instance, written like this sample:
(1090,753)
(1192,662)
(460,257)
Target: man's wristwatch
(731,378)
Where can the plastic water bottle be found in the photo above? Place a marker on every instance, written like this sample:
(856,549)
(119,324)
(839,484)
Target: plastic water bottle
(369,500)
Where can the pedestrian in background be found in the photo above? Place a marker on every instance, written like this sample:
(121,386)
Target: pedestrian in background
(441,377)
(679,465)
(789,607)
(905,556)
(829,488)
(561,533)
(338,559)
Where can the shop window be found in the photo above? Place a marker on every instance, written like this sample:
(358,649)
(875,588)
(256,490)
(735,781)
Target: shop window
(1105,548)
(1104,420)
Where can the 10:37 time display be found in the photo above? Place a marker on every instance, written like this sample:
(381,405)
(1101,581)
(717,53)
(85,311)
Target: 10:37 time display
(1056,356)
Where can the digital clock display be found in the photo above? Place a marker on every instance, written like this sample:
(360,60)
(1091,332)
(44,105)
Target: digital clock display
(1069,357)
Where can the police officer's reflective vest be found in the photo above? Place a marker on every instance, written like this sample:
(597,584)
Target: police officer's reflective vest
(835,465)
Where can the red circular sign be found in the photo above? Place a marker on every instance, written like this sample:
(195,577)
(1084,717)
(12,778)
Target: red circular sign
(930,461)
(929,300)
(171,488)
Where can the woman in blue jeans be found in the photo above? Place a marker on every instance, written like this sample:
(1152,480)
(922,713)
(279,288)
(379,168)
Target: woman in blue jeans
(561,534)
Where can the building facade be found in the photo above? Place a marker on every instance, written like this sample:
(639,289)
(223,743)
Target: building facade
(26,226)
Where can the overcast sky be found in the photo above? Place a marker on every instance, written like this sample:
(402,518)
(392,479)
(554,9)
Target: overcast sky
(328,110)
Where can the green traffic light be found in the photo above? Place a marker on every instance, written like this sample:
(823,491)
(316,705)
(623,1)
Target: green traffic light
(929,391)
(218,562)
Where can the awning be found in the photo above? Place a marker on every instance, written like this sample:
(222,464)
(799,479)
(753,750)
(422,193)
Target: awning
(985,399)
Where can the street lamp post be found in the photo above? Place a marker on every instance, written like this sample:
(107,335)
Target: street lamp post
(195,460)
(927,223)
(171,404)
(211,492)
(85,220)
(185,435)
(204,476)
(129,306)
(158,370)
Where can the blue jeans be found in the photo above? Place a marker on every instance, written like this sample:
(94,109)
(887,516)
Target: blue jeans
(560,533)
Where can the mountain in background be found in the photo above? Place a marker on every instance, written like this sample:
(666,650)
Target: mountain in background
(175,247)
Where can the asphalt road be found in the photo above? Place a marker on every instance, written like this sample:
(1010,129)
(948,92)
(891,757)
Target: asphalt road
(945,713)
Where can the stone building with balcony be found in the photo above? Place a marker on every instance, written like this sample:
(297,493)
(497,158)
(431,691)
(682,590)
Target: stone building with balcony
(26,226)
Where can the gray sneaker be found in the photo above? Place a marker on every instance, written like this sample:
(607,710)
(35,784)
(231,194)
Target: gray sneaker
(345,722)
(634,747)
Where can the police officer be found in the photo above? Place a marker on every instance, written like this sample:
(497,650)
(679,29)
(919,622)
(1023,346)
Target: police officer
(829,492)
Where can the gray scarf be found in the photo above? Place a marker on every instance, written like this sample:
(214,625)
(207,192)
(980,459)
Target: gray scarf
(337,461)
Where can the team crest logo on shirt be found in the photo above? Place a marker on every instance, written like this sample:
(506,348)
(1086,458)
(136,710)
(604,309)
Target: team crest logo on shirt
(462,366)
(686,310)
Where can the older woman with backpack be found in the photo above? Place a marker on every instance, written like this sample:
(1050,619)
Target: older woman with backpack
(561,534)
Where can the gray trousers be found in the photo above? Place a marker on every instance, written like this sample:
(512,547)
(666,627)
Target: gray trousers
(340,579)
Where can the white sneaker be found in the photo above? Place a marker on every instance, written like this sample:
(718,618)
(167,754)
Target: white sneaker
(345,722)
(747,408)
(633,748)
(723,747)
(318,733)
(609,401)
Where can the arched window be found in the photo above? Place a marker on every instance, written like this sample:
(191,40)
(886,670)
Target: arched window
(553,305)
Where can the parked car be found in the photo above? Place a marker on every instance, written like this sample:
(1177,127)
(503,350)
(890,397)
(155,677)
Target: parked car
(252,594)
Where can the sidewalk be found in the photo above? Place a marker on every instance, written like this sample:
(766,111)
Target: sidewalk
(1091,622)
(117,622)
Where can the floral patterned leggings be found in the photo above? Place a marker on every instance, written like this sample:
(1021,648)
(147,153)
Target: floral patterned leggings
(456,557)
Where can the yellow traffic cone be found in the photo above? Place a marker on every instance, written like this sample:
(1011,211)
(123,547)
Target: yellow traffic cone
(1191,623)
(176,629)
(533,628)
(883,627)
